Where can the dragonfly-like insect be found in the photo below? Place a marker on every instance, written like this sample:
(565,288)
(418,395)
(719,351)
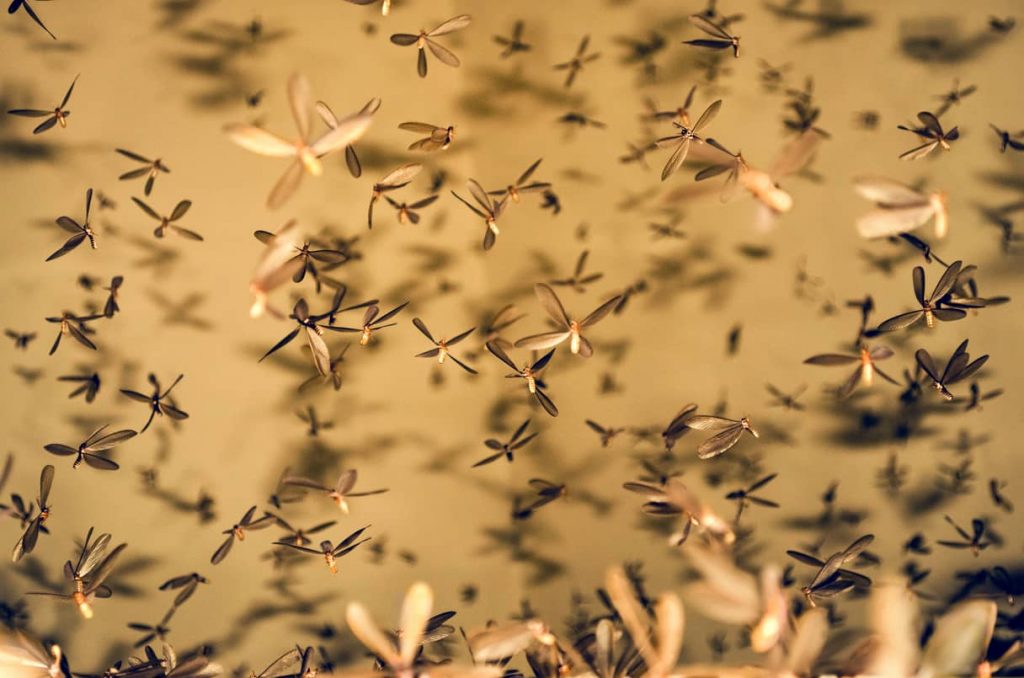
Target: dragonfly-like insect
(151,169)
(958,367)
(309,325)
(88,573)
(98,441)
(159,401)
(720,37)
(568,328)
(865,360)
(684,137)
(167,222)
(931,129)
(899,208)
(975,540)
(606,434)
(340,493)
(789,401)
(185,585)
(27,542)
(111,307)
(579,279)
(21,339)
(372,322)
(932,307)
(306,257)
(80,232)
(515,191)
(747,496)
(425,40)
(355,168)
(954,96)
(729,433)
(487,208)
(441,346)
(514,43)
(392,181)
(437,139)
(307,154)
(508,448)
(53,117)
(151,632)
(329,551)
(74,326)
(832,578)
(238,530)
(546,491)
(408,213)
(301,537)
(1014,140)
(578,61)
(530,372)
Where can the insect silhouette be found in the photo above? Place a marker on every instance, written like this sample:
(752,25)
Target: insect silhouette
(392,181)
(167,222)
(185,585)
(437,139)
(605,434)
(683,137)
(408,213)
(23,4)
(89,384)
(21,339)
(1013,140)
(329,551)
(305,259)
(441,346)
(899,208)
(159,401)
(340,493)
(425,40)
(151,169)
(954,96)
(958,367)
(80,232)
(151,632)
(931,309)
(74,326)
(514,191)
(568,328)
(355,168)
(27,542)
(578,61)
(931,130)
(507,449)
(98,441)
(530,372)
(238,530)
(866,370)
(995,491)
(579,280)
(53,117)
(546,491)
(748,496)
(720,37)
(729,433)
(372,322)
(832,578)
(487,208)
(314,423)
(88,573)
(514,43)
(975,540)
(313,331)
(789,401)
(111,307)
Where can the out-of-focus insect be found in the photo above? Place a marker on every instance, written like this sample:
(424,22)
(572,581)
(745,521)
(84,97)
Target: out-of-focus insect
(407,212)
(671,498)
(720,38)
(729,433)
(1013,140)
(87,449)
(185,585)
(441,346)
(437,139)
(487,208)
(978,397)
(578,61)
(392,181)
(677,428)
(747,496)
(88,573)
(330,552)
(333,376)
(331,120)
(680,114)
(866,366)
(954,96)
(425,39)
(995,491)
(638,154)
(151,632)
(772,77)
(514,191)
(340,493)
(111,307)
(313,422)
(683,137)
(75,326)
(300,537)
(530,372)
(547,492)
(238,530)
(79,231)
(88,384)
(579,281)
(958,367)
(21,339)
(11,9)
(867,119)
(372,322)
(831,578)
(789,401)
(899,208)
(255,99)
(931,130)
(159,401)
(931,307)
(309,325)
(975,541)
(507,449)
(732,339)
(151,169)
(305,258)
(27,542)
(568,328)
(306,153)
(513,44)
(28,657)
(385,9)
(580,120)
(166,222)
(57,115)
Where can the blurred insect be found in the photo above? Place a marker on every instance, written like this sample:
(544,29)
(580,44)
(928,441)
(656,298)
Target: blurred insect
(58,114)
(732,339)
(88,573)
(438,138)
(772,77)
(89,384)
(958,368)
(678,427)
(487,208)
(392,181)
(150,632)
(568,328)
(580,120)
(712,12)
(606,434)
(159,401)
(680,114)
(300,537)
(683,137)
(1001,25)
(530,372)
(306,257)
(899,208)
(1008,140)
(747,496)
(424,39)
(721,38)
(385,9)
(578,282)
(954,96)
(407,213)
(788,401)
(372,322)
(329,551)
(578,61)
(80,232)
(514,191)
(87,449)
(185,585)
(27,542)
(255,99)
(730,431)
(75,326)
(995,491)
(547,492)
(932,130)
(866,366)
(21,339)
(978,397)
(166,222)
(333,375)
(440,350)
(931,307)
(355,168)
(340,493)
(513,44)
(507,449)
(152,169)
(831,578)
(867,119)
(315,425)
(111,307)
(238,530)
(551,202)
(975,541)
(307,154)
(638,154)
